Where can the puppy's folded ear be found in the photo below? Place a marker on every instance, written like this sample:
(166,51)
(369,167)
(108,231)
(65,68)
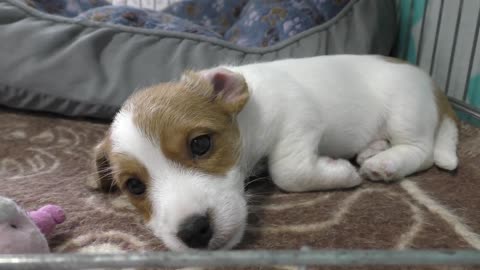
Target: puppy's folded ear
(224,86)
(104,178)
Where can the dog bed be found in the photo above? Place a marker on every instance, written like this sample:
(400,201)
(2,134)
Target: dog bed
(48,159)
(85,57)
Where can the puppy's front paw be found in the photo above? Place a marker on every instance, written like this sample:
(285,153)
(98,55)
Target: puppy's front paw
(379,170)
(347,173)
(355,178)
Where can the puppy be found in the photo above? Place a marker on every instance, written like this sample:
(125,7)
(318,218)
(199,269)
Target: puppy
(181,150)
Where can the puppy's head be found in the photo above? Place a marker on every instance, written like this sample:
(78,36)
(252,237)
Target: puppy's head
(174,150)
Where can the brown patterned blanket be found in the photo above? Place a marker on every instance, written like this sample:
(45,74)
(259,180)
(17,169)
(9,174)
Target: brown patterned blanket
(46,159)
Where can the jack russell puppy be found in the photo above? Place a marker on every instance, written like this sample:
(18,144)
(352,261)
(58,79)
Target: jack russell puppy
(182,150)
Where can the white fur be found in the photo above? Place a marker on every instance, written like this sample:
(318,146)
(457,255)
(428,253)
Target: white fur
(446,145)
(303,111)
(307,116)
(177,193)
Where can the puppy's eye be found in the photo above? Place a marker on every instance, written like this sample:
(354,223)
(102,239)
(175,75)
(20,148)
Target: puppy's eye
(135,186)
(13,226)
(200,145)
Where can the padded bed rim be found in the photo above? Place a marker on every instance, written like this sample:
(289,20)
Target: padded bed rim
(25,100)
(85,69)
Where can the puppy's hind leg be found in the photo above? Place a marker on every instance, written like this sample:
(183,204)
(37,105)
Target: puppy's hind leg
(397,162)
(296,167)
(411,131)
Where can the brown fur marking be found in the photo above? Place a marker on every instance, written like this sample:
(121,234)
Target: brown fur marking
(113,170)
(443,105)
(125,167)
(394,60)
(172,114)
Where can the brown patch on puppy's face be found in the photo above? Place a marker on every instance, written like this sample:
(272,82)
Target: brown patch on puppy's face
(126,168)
(114,170)
(174,114)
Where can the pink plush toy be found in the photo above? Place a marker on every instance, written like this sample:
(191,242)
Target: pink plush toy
(22,232)
(47,217)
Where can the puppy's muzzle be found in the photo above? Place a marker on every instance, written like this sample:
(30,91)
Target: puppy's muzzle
(196,231)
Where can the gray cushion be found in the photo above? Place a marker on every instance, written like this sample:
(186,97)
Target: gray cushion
(82,68)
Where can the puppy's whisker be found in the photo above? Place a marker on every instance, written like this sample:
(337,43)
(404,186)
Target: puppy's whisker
(255,180)
(99,176)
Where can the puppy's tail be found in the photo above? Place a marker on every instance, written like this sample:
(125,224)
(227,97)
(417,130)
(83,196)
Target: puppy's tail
(445,150)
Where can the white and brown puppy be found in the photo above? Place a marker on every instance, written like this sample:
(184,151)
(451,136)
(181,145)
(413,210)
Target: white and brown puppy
(182,150)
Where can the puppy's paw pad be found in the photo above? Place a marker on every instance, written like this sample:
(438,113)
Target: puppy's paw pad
(384,170)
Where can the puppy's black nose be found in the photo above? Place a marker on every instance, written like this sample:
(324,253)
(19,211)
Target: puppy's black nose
(195,231)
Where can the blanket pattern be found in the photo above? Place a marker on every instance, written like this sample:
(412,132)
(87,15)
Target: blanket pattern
(229,20)
(48,160)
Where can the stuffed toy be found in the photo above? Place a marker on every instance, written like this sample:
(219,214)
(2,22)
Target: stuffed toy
(25,232)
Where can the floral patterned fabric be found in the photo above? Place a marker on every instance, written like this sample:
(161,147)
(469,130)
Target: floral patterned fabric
(249,23)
